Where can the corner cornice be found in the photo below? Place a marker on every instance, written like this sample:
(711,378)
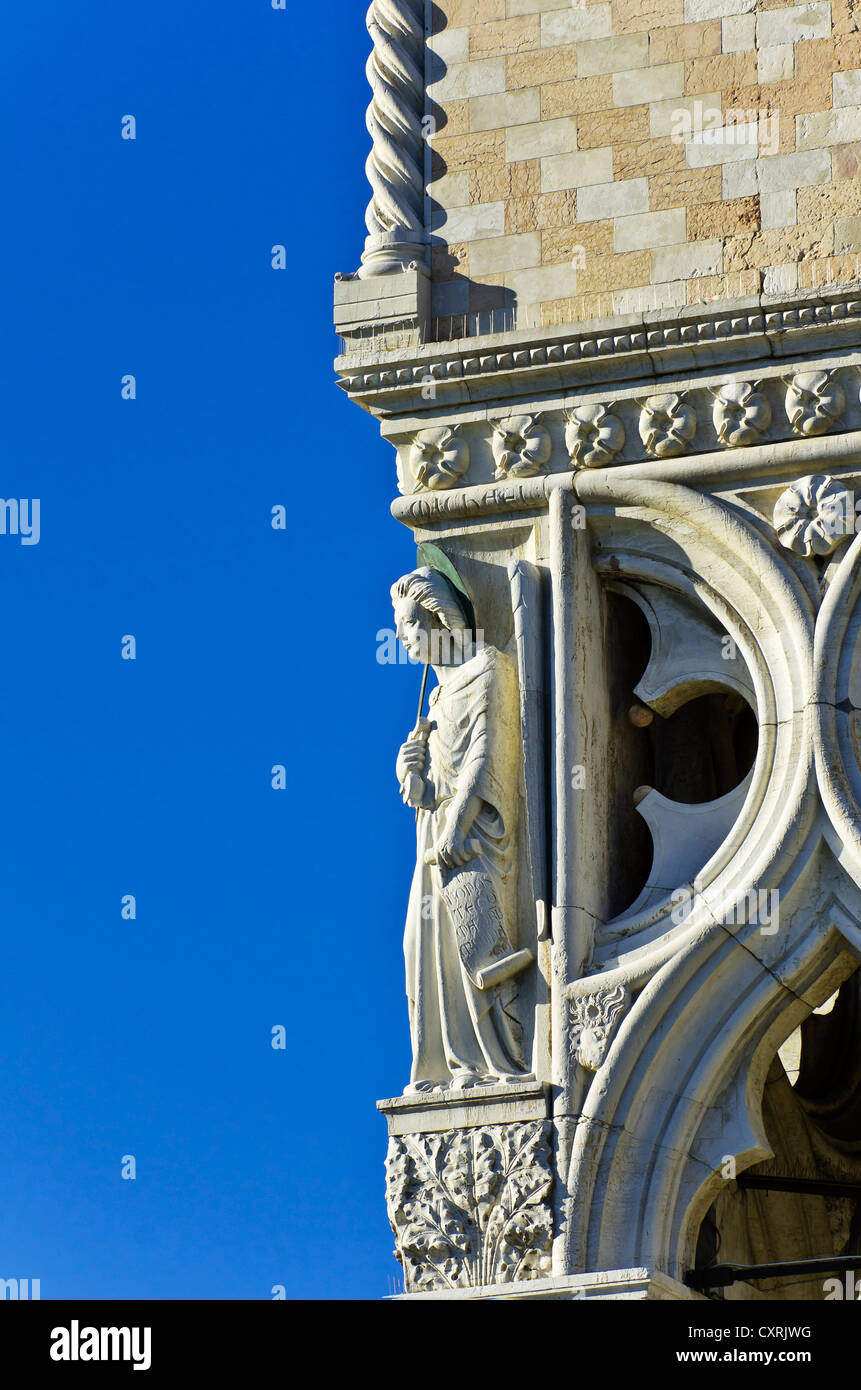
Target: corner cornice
(419,379)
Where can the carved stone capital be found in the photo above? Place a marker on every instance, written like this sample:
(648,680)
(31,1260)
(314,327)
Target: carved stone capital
(471,1207)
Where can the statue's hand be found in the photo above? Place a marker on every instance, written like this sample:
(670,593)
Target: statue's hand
(412,757)
(454,849)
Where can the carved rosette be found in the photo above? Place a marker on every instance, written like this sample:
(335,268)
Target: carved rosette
(594,1019)
(521,446)
(439,457)
(395,70)
(813,515)
(814,402)
(593,437)
(741,414)
(667,425)
(471,1207)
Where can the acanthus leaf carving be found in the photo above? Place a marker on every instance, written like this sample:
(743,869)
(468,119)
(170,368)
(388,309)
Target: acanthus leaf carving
(471,1207)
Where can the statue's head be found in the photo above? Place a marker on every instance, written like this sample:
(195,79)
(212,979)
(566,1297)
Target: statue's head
(429,619)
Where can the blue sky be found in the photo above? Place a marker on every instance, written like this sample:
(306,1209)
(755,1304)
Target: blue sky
(151,777)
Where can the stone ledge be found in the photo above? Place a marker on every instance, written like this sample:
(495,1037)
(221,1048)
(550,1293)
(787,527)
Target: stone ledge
(436,1111)
(610,1284)
(627,346)
(381,302)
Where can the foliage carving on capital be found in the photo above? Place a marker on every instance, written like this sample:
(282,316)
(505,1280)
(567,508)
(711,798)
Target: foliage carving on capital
(439,457)
(471,1207)
(741,414)
(593,436)
(521,446)
(812,514)
(814,402)
(667,425)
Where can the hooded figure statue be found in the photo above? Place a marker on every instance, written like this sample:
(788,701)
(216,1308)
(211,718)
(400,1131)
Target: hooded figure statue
(459,769)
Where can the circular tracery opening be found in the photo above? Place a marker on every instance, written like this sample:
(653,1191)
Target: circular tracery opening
(705,748)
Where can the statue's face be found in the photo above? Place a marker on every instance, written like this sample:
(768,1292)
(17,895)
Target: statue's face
(413,625)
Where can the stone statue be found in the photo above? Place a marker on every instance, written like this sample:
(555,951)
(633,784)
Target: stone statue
(459,769)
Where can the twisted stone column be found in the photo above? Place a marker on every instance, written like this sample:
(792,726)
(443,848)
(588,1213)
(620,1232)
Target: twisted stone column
(395,166)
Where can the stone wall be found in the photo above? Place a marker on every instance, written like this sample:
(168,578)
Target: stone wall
(567,182)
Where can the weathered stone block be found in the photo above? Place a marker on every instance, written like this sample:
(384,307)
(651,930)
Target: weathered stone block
(541,212)
(784,171)
(655,84)
(586,95)
(778,209)
(504,109)
(685,261)
(776,64)
(470,223)
(721,73)
(649,229)
(665,117)
(503,253)
(602,273)
(723,218)
(810,21)
(685,41)
(543,66)
(574,24)
(731,145)
(617,127)
(632,16)
(652,158)
(560,171)
(847,88)
(738,32)
(541,138)
(470,80)
(698,190)
(739,180)
(716,9)
(612,55)
(465,152)
(543,282)
(613,199)
(828,128)
(847,235)
(517,35)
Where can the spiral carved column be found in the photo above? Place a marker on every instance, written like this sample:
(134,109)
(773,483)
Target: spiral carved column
(395,69)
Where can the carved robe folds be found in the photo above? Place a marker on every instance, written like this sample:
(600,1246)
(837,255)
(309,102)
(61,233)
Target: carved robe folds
(459,921)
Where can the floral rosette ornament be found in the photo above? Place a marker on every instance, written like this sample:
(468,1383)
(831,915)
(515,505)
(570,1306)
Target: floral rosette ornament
(741,414)
(439,457)
(593,437)
(521,446)
(814,402)
(667,425)
(812,517)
